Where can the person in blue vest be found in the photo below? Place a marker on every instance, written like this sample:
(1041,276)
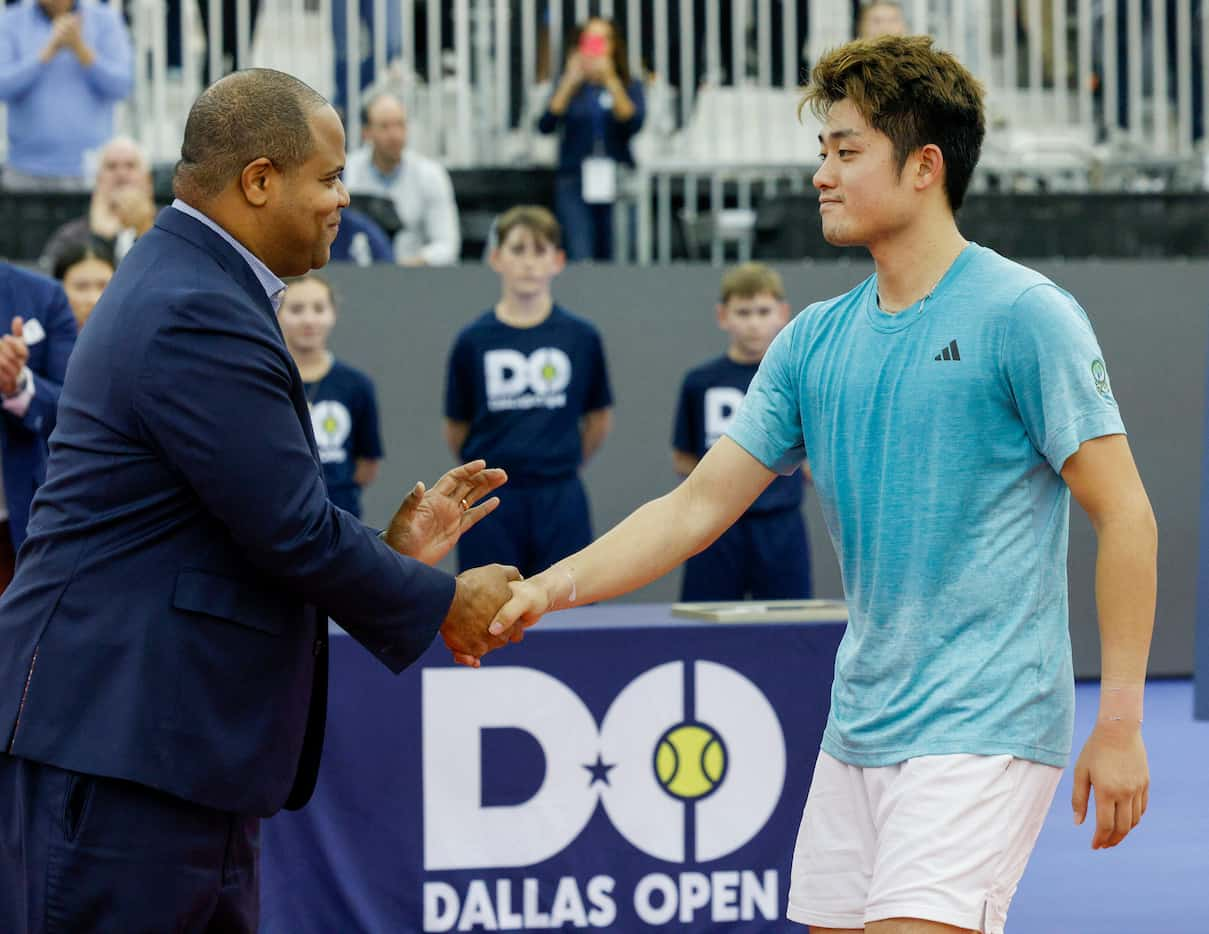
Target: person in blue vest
(344,408)
(527,386)
(765,554)
(33,361)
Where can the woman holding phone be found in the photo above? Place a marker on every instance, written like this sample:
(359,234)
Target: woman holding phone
(599,108)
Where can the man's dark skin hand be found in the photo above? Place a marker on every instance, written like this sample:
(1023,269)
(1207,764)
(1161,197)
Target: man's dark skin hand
(480,593)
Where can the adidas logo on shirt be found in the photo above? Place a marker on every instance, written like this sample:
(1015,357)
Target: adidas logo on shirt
(949,353)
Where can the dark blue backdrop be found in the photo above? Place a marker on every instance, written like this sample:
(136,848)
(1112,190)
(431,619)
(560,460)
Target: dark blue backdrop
(530,794)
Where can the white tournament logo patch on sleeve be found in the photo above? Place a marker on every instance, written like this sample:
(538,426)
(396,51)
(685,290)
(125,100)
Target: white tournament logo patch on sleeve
(1099,373)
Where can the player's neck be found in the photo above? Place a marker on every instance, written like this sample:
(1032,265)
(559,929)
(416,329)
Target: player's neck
(524,311)
(911,264)
(313,365)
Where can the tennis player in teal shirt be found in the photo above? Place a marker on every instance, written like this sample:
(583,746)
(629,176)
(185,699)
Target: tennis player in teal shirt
(951,405)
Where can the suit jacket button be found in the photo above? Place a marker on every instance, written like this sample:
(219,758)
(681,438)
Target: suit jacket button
(318,647)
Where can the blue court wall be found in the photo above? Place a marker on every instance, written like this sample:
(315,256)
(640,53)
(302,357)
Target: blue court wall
(397,324)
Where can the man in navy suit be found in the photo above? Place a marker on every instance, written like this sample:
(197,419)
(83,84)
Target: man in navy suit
(163,653)
(33,359)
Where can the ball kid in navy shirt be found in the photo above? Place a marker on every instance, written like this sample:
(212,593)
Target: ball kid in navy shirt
(765,554)
(344,409)
(527,389)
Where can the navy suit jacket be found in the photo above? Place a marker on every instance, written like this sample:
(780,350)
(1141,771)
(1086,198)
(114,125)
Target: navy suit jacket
(167,621)
(23,440)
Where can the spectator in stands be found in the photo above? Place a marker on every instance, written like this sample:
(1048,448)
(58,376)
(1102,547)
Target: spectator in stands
(122,207)
(63,66)
(527,387)
(765,554)
(344,409)
(420,187)
(882,18)
(392,25)
(360,241)
(84,268)
(599,108)
(33,360)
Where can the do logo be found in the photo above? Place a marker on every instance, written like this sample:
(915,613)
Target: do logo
(688,764)
(509,373)
(721,405)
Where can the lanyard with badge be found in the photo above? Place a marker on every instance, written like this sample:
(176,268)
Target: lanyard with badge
(599,172)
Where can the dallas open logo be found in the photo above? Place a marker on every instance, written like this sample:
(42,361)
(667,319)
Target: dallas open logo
(688,764)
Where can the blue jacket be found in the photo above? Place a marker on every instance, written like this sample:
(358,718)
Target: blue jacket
(589,120)
(167,622)
(23,440)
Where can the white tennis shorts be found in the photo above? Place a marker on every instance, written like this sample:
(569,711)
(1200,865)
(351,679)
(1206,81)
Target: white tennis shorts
(939,838)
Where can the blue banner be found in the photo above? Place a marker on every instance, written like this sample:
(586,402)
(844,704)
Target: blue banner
(596,776)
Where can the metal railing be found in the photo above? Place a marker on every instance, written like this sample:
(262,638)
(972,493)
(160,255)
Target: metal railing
(1082,94)
(477,72)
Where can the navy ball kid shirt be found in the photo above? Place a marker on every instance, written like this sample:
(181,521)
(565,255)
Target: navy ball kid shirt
(344,416)
(709,399)
(524,390)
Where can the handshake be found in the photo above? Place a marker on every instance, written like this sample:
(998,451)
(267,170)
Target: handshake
(427,526)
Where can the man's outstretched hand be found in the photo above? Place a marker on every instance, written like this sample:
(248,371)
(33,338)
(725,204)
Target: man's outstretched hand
(480,593)
(430,522)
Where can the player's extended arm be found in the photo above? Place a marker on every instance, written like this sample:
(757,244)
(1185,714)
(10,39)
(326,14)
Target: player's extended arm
(649,542)
(455,436)
(594,427)
(1104,480)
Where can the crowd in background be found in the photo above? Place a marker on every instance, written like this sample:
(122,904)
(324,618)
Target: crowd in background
(66,64)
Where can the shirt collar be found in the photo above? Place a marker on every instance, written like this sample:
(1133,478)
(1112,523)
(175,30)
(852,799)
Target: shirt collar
(387,178)
(273,287)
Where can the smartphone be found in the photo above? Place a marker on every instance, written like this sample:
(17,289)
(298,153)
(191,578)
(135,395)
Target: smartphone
(593,45)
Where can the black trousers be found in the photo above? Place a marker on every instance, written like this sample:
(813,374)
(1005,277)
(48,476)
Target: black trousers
(83,853)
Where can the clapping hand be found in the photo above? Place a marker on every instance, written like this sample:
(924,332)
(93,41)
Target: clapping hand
(13,357)
(430,522)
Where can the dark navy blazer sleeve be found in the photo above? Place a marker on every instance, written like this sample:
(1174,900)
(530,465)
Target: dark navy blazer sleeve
(214,399)
(60,326)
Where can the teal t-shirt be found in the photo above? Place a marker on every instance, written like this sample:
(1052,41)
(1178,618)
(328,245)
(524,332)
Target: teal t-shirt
(936,437)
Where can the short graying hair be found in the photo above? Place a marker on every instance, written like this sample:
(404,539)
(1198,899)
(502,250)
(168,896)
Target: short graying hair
(245,116)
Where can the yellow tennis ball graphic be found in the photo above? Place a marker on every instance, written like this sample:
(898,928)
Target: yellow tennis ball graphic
(690,761)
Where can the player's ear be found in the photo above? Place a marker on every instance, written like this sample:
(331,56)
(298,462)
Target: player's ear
(493,258)
(783,307)
(720,312)
(560,261)
(930,163)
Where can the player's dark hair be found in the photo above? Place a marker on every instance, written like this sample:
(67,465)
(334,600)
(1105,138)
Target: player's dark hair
(914,93)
